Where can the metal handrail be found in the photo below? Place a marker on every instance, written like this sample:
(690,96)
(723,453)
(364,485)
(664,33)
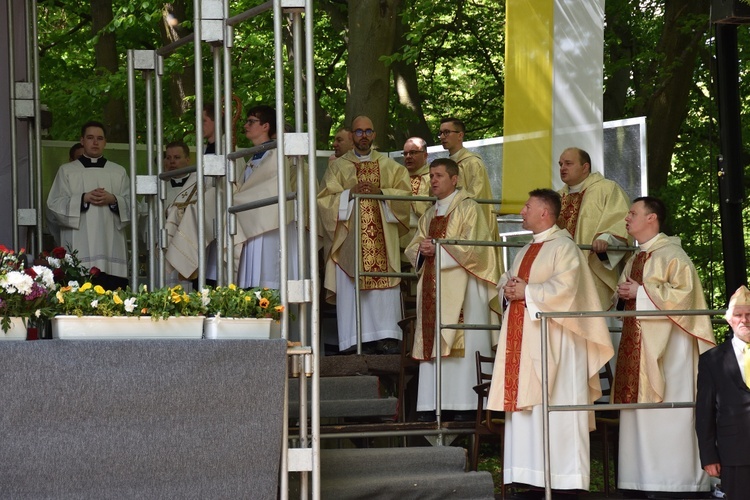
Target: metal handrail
(546,408)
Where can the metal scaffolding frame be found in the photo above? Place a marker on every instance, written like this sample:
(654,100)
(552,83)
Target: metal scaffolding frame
(213,25)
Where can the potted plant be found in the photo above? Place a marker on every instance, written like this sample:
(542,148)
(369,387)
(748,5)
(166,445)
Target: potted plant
(89,311)
(23,293)
(233,312)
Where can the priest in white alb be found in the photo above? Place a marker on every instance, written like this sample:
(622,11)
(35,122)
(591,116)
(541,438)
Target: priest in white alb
(548,275)
(658,360)
(468,294)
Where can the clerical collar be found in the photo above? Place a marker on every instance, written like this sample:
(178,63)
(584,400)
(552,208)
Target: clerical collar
(365,157)
(576,188)
(179,182)
(543,235)
(210,148)
(92,162)
(443,204)
(647,244)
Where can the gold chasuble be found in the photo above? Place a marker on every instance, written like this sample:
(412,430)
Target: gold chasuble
(668,282)
(382,223)
(463,268)
(598,208)
(628,365)
(558,280)
(372,237)
(516,313)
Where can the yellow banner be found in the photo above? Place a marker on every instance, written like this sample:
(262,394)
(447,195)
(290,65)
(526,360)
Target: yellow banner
(527,146)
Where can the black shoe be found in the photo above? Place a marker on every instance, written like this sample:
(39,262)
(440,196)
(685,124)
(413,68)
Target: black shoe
(388,346)
(426,416)
(464,416)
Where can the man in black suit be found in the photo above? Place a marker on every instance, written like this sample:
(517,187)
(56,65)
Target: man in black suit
(723,403)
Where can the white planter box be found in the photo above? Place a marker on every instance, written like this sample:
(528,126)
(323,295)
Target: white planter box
(126,328)
(17,330)
(239,328)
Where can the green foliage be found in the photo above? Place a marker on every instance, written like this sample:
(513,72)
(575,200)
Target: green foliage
(234,302)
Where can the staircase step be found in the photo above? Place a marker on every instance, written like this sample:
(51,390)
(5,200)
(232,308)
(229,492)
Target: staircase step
(438,486)
(364,462)
(351,408)
(337,388)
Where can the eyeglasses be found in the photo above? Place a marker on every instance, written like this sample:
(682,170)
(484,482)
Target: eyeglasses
(447,132)
(359,132)
(413,153)
(250,121)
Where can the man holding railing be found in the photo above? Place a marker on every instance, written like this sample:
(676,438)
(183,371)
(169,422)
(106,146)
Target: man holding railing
(658,359)
(593,212)
(548,275)
(364,170)
(468,294)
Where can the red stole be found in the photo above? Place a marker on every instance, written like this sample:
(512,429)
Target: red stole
(438,226)
(516,313)
(627,372)
(374,252)
(571,208)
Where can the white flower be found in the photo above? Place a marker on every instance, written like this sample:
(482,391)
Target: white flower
(38,313)
(205,299)
(55,263)
(130,304)
(95,303)
(17,282)
(257,294)
(45,276)
(73,284)
(69,259)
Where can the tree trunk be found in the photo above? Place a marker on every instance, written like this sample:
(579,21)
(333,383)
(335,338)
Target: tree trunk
(182,83)
(372,29)
(105,52)
(407,89)
(666,96)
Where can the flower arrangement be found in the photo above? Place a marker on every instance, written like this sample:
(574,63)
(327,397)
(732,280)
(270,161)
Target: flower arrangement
(234,302)
(66,266)
(93,300)
(23,291)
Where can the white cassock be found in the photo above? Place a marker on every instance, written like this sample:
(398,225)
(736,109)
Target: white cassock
(98,233)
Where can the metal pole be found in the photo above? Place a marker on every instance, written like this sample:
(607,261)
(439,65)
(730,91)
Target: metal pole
(229,177)
(313,249)
(132,170)
(158,244)
(39,202)
(545,414)
(281,183)
(151,223)
(199,179)
(300,218)
(438,342)
(13,145)
(358,256)
(731,184)
(216,52)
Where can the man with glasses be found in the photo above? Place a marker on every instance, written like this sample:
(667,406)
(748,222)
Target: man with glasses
(415,160)
(472,177)
(366,171)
